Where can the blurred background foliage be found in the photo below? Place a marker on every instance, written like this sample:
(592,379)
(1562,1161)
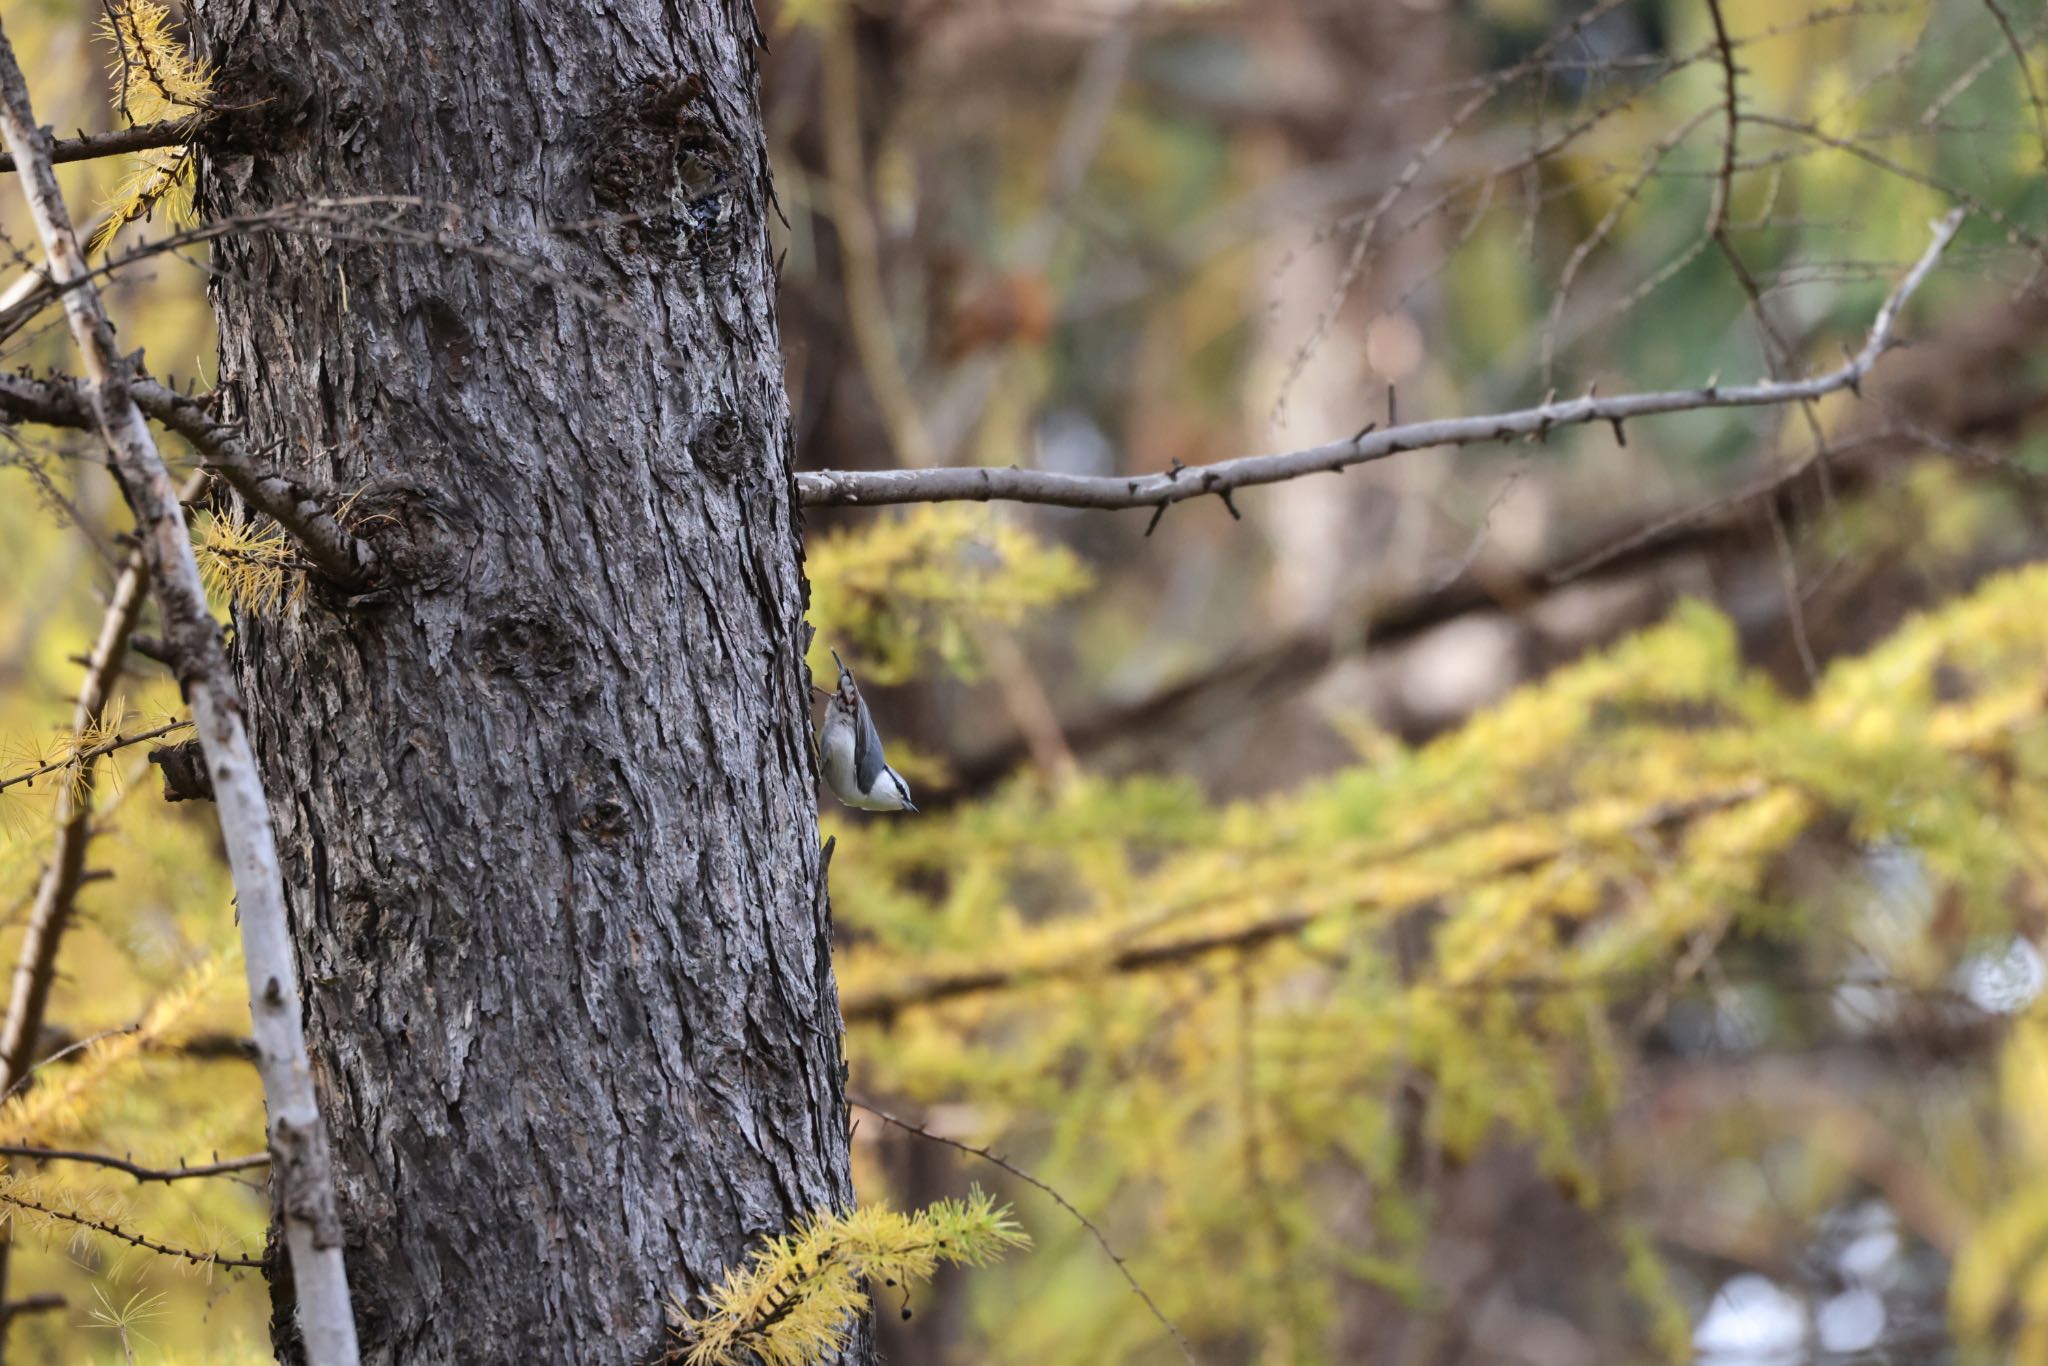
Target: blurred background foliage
(1574,902)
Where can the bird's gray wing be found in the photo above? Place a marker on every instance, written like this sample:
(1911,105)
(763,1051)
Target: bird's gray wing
(868,762)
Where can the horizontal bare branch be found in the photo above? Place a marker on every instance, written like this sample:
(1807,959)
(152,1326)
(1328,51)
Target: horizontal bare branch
(1961,388)
(30,1304)
(331,547)
(141,1173)
(210,1047)
(89,753)
(860,488)
(140,138)
(113,1230)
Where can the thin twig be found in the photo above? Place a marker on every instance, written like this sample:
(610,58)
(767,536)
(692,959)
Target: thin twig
(141,1173)
(1731,124)
(91,752)
(832,488)
(1013,1169)
(35,966)
(1777,351)
(1464,563)
(1362,238)
(2019,55)
(1892,166)
(133,1239)
(1765,486)
(1795,606)
(867,309)
(71,1049)
(1652,160)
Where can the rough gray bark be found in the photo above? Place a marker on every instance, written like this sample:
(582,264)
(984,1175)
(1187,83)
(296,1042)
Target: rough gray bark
(546,804)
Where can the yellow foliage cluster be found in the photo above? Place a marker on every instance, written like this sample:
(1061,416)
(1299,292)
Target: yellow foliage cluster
(95,1217)
(897,589)
(57,759)
(245,561)
(62,1106)
(155,80)
(1240,1003)
(2004,1267)
(796,1297)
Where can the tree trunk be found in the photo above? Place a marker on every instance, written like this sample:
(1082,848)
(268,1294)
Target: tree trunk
(546,806)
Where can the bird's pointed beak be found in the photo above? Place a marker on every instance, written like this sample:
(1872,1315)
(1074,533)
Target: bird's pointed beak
(910,806)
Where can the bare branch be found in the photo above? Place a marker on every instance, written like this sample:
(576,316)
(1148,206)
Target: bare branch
(67,1050)
(1776,348)
(30,1304)
(335,550)
(141,1173)
(304,1173)
(1028,1179)
(85,756)
(210,1047)
(843,488)
(112,1230)
(1652,160)
(1957,193)
(1637,550)
(331,547)
(1368,226)
(867,310)
(2019,55)
(140,138)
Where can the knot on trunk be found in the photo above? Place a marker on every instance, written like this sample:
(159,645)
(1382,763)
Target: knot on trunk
(661,162)
(719,444)
(420,535)
(524,643)
(260,108)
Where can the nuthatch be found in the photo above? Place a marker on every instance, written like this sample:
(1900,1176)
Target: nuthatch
(850,752)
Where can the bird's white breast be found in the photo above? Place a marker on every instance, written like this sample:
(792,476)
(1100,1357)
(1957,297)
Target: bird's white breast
(835,758)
